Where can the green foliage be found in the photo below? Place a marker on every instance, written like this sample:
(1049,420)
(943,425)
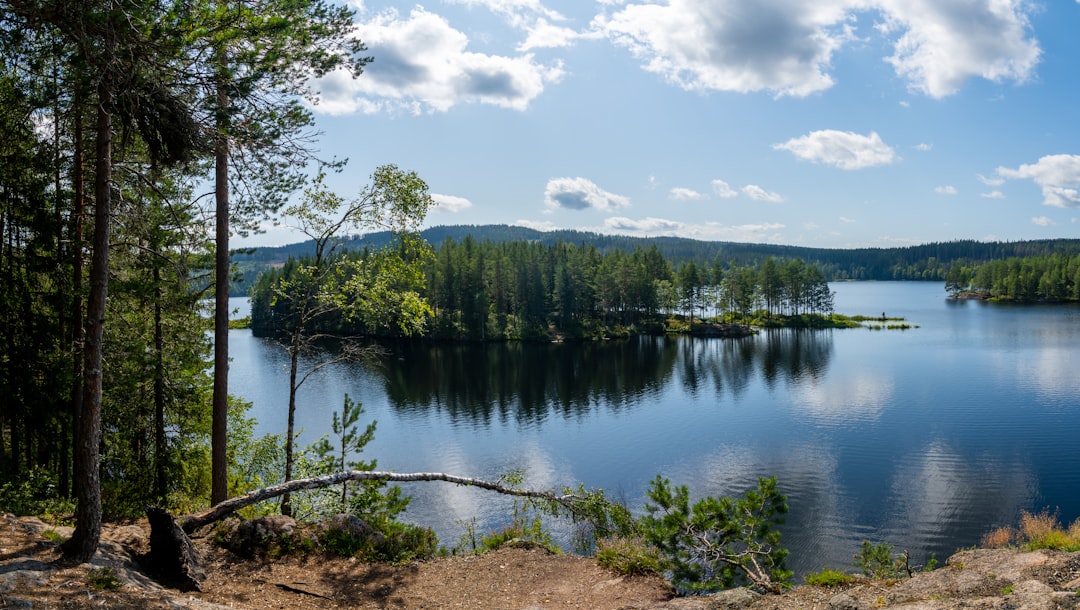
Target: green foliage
(829,577)
(718,542)
(526,523)
(629,556)
(103,579)
(34,493)
(878,561)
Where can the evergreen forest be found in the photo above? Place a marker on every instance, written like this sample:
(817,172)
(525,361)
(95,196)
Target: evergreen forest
(532,291)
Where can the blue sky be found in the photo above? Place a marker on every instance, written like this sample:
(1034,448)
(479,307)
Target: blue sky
(832,123)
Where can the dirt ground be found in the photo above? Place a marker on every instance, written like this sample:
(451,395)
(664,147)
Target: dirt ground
(506,578)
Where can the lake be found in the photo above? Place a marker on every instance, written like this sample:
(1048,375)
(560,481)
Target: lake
(924,438)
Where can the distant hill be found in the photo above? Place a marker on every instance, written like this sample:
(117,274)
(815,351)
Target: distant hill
(924,262)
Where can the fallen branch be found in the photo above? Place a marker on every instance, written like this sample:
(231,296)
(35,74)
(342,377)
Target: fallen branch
(221,510)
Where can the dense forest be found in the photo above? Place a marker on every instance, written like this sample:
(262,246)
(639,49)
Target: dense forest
(1052,277)
(137,138)
(923,262)
(529,290)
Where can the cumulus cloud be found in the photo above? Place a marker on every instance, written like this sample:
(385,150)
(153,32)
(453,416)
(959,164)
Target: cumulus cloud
(757,193)
(731,45)
(940,45)
(422,64)
(450,203)
(723,189)
(787,47)
(1058,175)
(580,194)
(924,147)
(1042,221)
(843,149)
(685,194)
(988,181)
(945,190)
(994,195)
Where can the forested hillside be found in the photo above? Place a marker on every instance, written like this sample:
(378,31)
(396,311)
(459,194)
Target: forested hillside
(924,262)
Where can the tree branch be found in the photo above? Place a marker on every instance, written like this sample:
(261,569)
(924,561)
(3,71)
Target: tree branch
(194,521)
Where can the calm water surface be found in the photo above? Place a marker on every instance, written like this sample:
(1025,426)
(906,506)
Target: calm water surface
(924,438)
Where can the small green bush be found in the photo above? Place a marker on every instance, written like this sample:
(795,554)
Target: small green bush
(877,561)
(103,579)
(829,578)
(628,556)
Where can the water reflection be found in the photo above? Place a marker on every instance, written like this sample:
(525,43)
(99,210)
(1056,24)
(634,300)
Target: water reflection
(527,383)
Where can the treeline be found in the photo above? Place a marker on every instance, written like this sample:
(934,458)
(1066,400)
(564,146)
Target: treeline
(533,291)
(1054,277)
(928,262)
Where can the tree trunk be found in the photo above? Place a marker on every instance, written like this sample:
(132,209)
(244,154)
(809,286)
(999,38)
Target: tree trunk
(160,480)
(84,541)
(219,487)
(192,522)
(294,357)
(77,330)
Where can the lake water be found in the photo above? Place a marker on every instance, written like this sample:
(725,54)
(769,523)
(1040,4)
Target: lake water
(924,438)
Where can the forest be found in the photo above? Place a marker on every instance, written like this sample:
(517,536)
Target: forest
(532,291)
(924,262)
(1045,278)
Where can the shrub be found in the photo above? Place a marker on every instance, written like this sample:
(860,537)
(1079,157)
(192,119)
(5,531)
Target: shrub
(829,578)
(103,579)
(1043,531)
(628,556)
(877,561)
(719,542)
(999,538)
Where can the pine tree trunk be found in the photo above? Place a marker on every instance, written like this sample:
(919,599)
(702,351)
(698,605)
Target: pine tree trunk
(84,541)
(219,488)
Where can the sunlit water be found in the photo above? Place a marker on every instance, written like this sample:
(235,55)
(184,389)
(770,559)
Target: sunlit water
(925,438)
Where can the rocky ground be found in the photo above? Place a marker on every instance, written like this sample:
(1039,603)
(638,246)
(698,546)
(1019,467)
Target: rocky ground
(511,578)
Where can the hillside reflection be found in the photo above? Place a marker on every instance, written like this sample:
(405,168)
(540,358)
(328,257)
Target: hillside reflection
(528,383)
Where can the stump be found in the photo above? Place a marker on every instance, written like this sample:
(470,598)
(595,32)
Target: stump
(173,557)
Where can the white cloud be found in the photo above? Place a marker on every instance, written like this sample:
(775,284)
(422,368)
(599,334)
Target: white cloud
(1042,221)
(449,203)
(723,189)
(787,46)
(924,147)
(712,231)
(1058,175)
(545,225)
(646,225)
(755,192)
(842,149)
(994,195)
(580,194)
(993,181)
(846,220)
(942,44)
(945,190)
(422,64)
(544,35)
(685,194)
(783,46)
(517,12)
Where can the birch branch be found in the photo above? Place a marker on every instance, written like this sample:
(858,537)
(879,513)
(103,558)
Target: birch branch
(223,509)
